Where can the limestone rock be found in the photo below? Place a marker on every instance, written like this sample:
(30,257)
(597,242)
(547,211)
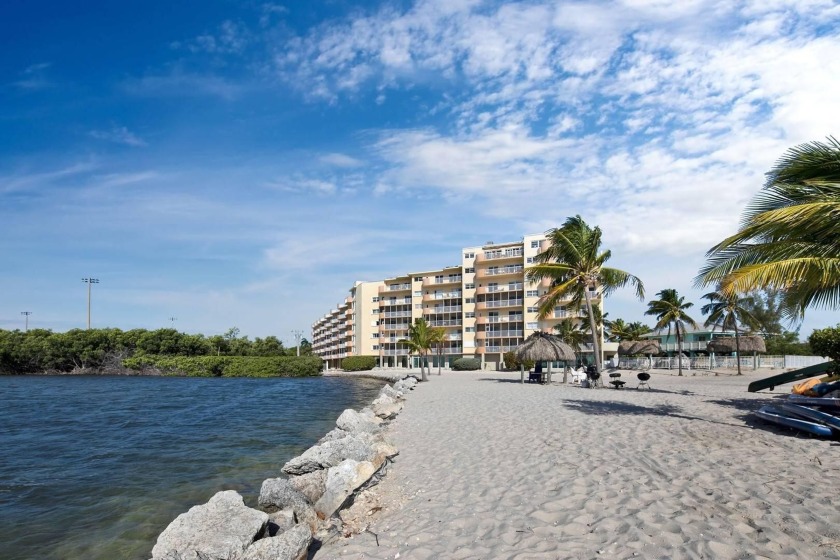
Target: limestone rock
(389,391)
(278,493)
(330,454)
(280,522)
(342,480)
(291,545)
(334,434)
(221,528)
(311,485)
(386,407)
(355,422)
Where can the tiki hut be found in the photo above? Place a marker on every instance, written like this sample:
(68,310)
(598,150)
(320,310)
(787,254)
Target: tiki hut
(543,347)
(635,347)
(726,345)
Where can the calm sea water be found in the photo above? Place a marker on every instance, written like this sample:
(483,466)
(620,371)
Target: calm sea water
(96,467)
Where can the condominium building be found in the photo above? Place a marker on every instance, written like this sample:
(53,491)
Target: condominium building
(485,304)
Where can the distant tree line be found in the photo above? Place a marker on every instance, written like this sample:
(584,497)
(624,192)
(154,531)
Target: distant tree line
(42,350)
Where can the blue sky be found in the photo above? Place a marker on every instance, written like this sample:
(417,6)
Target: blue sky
(242,163)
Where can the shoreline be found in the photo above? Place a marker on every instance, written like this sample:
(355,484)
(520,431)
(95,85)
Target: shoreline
(491,468)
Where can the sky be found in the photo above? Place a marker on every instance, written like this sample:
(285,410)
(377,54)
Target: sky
(224,163)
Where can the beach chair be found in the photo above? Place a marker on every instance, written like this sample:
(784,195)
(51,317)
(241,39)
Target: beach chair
(578,375)
(643,380)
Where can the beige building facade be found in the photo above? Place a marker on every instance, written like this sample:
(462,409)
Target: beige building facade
(485,304)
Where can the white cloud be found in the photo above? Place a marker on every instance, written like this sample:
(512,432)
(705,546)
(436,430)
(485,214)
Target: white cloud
(341,160)
(119,135)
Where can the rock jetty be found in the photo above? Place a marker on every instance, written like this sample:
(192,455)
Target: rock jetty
(304,507)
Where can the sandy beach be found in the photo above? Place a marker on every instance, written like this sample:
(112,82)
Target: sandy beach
(489,468)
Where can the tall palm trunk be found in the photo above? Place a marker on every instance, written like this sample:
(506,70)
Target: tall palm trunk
(595,347)
(679,351)
(737,349)
(423,376)
(440,357)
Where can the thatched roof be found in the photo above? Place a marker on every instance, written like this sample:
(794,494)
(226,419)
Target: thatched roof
(632,347)
(544,347)
(727,344)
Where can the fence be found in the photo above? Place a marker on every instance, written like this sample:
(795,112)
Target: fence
(722,362)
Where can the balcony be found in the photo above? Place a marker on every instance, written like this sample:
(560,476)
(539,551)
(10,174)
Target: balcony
(495,349)
(500,255)
(514,287)
(431,282)
(443,295)
(504,319)
(397,352)
(512,333)
(445,323)
(497,272)
(499,303)
(395,288)
(394,327)
(395,314)
(438,309)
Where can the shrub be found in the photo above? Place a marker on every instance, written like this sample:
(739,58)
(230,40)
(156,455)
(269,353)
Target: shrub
(230,366)
(358,363)
(511,363)
(826,342)
(466,364)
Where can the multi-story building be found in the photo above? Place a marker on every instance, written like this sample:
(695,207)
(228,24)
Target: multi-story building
(486,306)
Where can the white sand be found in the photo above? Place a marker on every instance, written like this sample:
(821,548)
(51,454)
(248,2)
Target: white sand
(492,469)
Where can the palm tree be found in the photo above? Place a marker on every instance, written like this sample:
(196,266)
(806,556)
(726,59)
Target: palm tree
(420,341)
(636,329)
(788,238)
(618,330)
(727,309)
(437,338)
(669,310)
(570,332)
(574,263)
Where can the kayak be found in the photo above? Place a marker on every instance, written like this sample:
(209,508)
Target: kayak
(813,415)
(789,377)
(814,401)
(777,416)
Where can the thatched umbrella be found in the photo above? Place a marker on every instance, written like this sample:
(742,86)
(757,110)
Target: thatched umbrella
(724,345)
(634,347)
(543,347)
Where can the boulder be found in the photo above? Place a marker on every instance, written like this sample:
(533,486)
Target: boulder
(355,422)
(334,434)
(386,407)
(221,528)
(342,481)
(291,545)
(389,391)
(311,485)
(280,522)
(278,493)
(330,454)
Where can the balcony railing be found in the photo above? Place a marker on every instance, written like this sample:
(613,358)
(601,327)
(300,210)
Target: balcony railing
(504,334)
(500,271)
(399,287)
(496,303)
(516,253)
(394,327)
(397,352)
(395,314)
(489,349)
(440,281)
(504,319)
(444,309)
(445,323)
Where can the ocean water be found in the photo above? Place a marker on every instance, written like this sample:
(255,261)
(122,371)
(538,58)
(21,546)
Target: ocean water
(96,467)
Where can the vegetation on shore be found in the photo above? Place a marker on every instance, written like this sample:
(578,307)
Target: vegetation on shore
(110,351)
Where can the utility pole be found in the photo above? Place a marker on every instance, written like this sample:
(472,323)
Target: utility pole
(297,335)
(89,281)
(27,314)
(172,321)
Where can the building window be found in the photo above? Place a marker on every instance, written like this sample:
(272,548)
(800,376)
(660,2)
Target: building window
(535,244)
(469,255)
(531,326)
(470,315)
(374,299)
(375,335)
(469,300)
(376,347)
(418,293)
(469,270)
(418,278)
(418,306)
(533,309)
(469,329)
(533,293)
(469,286)
(374,311)
(529,260)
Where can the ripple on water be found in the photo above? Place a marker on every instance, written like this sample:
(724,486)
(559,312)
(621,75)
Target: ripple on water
(97,467)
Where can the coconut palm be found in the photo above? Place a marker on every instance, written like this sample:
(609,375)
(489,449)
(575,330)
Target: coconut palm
(669,310)
(617,330)
(788,238)
(636,330)
(575,264)
(420,341)
(569,331)
(437,338)
(727,309)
